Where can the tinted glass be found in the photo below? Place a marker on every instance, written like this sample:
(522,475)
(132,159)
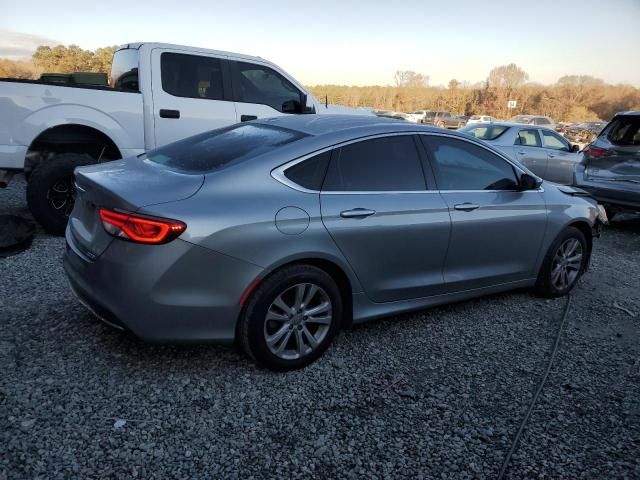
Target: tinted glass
(259,84)
(213,150)
(124,70)
(461,165)
(541,121)
(528,138)
(485,132)
(191,76)
(553,141)
(309,173)
(381,164)
(625,131)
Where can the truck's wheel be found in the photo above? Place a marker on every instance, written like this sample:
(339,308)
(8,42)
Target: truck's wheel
(50,191)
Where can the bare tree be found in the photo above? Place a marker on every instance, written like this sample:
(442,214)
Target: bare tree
(411,79)
(507,76)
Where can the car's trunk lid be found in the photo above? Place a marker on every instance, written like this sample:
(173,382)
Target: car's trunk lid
(126,185)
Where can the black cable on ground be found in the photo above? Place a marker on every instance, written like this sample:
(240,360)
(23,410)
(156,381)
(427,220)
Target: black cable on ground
(516,440)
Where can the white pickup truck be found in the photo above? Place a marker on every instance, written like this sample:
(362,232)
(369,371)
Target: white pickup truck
(158,94)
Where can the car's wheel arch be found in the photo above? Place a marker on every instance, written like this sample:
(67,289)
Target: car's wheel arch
(340,272)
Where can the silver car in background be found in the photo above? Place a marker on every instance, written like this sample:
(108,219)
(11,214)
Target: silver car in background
(543,151)
(279,232)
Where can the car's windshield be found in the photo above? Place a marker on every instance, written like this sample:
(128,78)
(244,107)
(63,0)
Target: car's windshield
(216,149)
(489,132)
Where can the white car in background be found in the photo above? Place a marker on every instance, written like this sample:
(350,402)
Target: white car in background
(480,119)
(417,116)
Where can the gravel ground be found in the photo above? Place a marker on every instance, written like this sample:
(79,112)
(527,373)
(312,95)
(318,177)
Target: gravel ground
(438,393)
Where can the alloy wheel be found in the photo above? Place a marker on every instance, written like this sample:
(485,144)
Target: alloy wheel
(62,195)
(566,264)
(297,321)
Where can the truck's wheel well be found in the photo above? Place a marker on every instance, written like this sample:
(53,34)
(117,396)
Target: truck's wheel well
(70,139)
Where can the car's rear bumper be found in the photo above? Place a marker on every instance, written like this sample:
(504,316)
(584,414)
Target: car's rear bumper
(178,292)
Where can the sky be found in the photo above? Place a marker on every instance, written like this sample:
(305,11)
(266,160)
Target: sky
(353,42)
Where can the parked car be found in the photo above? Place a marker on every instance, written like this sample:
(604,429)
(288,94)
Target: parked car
(279,232)
(417,116)
(543,151)
(443,120)
(584,132)
(538,120)
(159,93)
(610,168)
(480,119)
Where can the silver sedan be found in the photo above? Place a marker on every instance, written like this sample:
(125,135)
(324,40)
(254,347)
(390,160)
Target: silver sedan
(542,150)
(277,233)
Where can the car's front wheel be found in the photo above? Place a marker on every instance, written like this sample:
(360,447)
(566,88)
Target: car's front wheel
(291,318)
(564,264)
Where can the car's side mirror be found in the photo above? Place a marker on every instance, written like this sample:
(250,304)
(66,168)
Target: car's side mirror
(291,106)
(529,182)
(575,148)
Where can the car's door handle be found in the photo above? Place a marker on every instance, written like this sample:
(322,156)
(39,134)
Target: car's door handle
(164,113)
(246,118)
(466,207)
(520,152)
(357,213)
(551,155)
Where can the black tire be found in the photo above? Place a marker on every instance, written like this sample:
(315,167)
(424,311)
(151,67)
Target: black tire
(251,327)
(51,208)
(545,286)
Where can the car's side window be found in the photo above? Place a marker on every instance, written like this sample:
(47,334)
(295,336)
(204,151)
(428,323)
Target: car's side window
(309,173)
(528,138)
(191,76)
(259,84)
(554,141)
(377,165)
(461,165)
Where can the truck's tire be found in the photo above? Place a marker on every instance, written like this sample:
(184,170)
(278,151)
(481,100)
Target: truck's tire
(50,191)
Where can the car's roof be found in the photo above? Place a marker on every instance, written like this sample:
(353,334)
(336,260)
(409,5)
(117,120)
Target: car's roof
(355,125)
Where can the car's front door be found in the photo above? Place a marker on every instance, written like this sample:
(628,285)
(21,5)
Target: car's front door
(496,230)
(562,160)
(191,94)
(529,152)
(391,228)
(259,91)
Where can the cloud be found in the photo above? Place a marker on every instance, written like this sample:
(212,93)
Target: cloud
(16,45)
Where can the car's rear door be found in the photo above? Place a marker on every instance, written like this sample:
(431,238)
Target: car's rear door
(191,94)
(391,227)
(529,151)
(496,230)
(561,159)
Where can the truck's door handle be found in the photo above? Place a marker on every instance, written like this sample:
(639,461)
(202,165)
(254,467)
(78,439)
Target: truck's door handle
(169,113)
(357,213)
(466,207)
(246,118)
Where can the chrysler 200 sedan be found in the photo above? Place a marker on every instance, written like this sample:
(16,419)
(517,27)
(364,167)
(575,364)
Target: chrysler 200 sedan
(277,233)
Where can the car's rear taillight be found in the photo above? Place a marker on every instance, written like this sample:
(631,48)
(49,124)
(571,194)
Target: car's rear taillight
(595,151)
(140,228)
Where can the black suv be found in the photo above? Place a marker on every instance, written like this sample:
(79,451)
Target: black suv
(610,168)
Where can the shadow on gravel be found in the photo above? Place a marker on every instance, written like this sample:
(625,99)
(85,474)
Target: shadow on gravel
(626,223)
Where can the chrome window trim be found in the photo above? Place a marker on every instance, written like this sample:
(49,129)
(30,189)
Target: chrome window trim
(278,172)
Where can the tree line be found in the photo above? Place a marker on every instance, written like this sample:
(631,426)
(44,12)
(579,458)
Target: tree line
(572,98)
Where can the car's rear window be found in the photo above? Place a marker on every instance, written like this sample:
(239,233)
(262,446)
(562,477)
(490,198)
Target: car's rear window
(624,131)
(485,132)
(216,149)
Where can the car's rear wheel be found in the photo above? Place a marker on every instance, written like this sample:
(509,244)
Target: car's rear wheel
(291,318)
(564,264)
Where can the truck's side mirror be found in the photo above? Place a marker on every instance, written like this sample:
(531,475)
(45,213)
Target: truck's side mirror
(291,106)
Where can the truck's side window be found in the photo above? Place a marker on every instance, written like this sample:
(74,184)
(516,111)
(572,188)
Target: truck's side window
(191,76)
(259,84)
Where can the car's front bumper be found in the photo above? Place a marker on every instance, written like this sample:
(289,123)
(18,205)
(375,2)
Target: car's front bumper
(178,292)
